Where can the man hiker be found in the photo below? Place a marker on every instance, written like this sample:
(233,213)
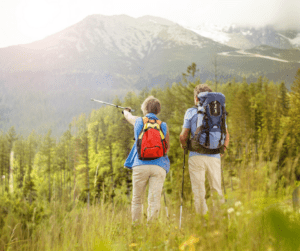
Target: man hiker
(204,161)
(148,158)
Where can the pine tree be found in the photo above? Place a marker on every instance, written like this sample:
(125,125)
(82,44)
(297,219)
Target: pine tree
(83,144)
(3,156)
(4,162)
(66,161)
(30,152)
(283,99)
(11,138)
(47,152)
(294,113)
(295,105)
(19,150)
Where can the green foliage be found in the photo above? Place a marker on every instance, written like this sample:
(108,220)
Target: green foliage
(284,228)
(85,167)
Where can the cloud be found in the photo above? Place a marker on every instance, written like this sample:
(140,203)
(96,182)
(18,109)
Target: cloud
(280,13)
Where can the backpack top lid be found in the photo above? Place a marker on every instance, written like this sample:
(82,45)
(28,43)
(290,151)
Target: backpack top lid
(207,97)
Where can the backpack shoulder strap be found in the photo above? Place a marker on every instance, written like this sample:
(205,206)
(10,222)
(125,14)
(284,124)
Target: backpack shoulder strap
(145,120)
(160,129)
(158,122)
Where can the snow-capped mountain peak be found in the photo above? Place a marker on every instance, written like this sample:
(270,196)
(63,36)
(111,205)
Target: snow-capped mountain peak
(242,37)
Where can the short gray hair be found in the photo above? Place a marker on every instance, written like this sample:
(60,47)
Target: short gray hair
(201,88)
(151,105)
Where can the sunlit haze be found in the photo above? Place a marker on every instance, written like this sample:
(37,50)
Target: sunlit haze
(25,21)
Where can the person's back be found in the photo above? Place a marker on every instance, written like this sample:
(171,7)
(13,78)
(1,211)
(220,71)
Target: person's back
(199,163)
(144,167)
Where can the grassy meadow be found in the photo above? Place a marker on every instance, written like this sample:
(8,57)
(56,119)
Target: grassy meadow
(254,217)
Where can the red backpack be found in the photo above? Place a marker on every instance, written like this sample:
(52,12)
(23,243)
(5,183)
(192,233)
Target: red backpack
(151,143)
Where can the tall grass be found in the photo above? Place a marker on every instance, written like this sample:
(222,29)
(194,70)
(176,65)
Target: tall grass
(258,215)
(106,228)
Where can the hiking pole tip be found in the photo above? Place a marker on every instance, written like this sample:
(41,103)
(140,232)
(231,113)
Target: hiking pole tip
(181,199)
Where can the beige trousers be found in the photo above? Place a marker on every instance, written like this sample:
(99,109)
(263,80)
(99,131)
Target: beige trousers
(140,176)
(198,165)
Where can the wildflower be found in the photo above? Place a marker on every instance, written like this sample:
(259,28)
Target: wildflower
(230,210)
(190,242)
(238,204)
(132,245)
(216,232)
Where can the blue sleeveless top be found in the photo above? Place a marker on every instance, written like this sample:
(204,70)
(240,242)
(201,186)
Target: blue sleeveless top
(133,159)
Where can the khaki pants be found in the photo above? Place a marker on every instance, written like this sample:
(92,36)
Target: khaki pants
(197,167)
(140,176)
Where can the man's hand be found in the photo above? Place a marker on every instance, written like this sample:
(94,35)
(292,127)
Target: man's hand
(183,146)
(225,148)
(183,137)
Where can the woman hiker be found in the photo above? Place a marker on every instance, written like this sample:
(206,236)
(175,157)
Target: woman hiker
(148,158)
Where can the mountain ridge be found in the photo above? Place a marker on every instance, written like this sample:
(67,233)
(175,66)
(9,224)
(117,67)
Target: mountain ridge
(247,37)
(107,56)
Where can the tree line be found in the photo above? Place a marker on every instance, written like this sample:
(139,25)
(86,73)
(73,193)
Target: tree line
(86,163)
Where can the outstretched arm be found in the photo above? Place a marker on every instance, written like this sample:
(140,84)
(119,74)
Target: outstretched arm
(129,117)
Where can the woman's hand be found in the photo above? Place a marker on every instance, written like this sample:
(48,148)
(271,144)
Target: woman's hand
(128,109)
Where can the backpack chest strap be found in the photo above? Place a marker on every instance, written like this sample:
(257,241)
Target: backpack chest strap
(152,121)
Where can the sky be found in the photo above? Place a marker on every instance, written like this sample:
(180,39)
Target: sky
(25,21)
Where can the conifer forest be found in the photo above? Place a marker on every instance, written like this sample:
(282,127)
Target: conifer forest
(73,193)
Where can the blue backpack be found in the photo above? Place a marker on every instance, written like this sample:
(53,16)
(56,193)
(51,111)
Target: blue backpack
(210,134)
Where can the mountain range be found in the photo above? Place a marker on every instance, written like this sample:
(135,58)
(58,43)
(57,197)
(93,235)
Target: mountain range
(46,83)
(243,37)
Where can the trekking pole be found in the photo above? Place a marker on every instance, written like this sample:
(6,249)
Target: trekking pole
(182,189)
(166,207)
(223,181)
(102,102)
